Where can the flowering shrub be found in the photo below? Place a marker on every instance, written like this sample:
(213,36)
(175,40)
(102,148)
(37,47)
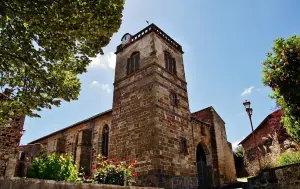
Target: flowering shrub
(82,178)
(112,171)
(54,167)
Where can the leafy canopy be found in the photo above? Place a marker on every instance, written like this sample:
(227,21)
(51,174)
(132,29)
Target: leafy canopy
(281,72)
(45,44)
(239,152)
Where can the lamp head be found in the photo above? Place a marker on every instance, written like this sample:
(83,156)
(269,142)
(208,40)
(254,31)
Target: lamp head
(247,104)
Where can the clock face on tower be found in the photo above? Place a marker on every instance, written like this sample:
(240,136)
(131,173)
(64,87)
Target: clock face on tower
(126,39)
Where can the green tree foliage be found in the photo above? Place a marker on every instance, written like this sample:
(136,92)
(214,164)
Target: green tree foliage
(239,152)
(54,167)
(281,72)
(45,44)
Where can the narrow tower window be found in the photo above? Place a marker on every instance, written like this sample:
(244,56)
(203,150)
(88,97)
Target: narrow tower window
(183,146)
(133,63)
(174,100)
(105,133)
(170,63)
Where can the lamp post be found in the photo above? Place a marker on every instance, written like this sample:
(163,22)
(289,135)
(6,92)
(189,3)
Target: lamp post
(249,112)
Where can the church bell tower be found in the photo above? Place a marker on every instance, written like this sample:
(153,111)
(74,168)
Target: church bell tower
(151,117)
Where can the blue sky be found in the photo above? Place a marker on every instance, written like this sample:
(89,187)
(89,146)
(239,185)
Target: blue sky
(224,44)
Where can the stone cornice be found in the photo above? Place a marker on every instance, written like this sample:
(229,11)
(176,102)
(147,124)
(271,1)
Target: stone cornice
(149,29)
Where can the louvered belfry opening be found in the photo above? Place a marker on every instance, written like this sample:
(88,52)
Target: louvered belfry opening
(170,63)
(133,63)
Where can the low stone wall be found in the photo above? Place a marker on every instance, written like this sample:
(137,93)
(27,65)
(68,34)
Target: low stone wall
(21,183)
(287,177)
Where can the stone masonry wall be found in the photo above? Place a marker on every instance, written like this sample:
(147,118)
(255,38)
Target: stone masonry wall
(287,177)
(260,133)
(10,135)
(31,151)
(172,122)
(224,151)
(144,125)
(222,155)
(73,142)
(17,183)
(202,137)
(205,115)
(269,152)
(250,157)
(270,146)
(230,170)
(133,134)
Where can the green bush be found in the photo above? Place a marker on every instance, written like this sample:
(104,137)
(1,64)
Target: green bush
(54,167)
(289,158)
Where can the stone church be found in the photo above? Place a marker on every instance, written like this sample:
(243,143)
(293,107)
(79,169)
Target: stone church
(151,122)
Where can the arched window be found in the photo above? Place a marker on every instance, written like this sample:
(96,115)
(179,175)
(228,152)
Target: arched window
(170,63)
(105,135)
(133,63)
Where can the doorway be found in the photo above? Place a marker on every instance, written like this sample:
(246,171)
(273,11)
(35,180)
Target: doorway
(204,170)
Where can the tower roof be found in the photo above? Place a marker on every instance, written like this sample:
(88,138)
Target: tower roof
(151,28)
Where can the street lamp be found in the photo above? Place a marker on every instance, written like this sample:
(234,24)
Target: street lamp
(249,112)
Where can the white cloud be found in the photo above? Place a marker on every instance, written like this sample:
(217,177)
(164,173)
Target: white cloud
(247,91)
(95,83)
(235,144)
(104,61)
(106,87)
